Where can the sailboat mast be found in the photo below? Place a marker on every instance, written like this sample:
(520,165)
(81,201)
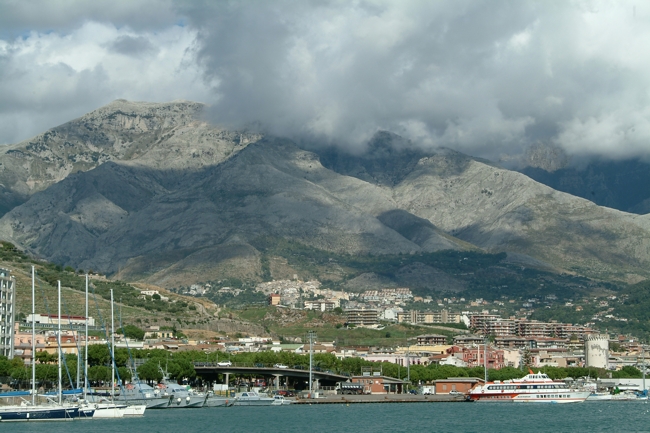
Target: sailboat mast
(112,351)
(58,341)
(33,342)
(86,345)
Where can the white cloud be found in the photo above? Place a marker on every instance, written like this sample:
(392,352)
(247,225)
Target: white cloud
(484,77)
(49,78)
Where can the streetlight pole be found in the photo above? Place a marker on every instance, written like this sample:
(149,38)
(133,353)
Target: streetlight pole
(486,360)
(311,361)
(408,365)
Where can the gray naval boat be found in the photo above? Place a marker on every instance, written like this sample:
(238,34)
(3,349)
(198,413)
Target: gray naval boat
(179,396)
(141,393)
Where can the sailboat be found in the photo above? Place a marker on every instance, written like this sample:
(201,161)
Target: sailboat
(109,408)
(29,410)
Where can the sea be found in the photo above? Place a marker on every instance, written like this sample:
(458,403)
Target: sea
(620,416)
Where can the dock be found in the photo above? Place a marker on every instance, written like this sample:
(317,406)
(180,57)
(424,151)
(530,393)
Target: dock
(381,398)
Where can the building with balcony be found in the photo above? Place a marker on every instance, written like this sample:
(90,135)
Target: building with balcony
(7,312)
(362,317)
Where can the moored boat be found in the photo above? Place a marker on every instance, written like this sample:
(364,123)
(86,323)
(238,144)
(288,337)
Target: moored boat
(599,396)
(139,393)
(532,388)
(251,398)
(219,401)
(279,400)
(45,412)
(179,396)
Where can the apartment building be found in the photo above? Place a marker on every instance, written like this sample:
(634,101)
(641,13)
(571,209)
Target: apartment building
(7,312)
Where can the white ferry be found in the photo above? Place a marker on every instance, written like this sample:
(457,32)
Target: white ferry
(532,388)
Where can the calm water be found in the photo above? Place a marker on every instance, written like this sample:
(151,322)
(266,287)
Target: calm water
(420,417)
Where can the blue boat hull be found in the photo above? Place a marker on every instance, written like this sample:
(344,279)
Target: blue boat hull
(39,414)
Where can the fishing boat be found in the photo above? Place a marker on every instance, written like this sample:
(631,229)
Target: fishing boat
(532,388)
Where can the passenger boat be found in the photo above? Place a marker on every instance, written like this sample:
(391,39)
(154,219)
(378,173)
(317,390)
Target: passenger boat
(532,388)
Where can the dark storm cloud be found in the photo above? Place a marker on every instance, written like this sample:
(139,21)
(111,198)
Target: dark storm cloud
(488,78)
(19,17)
(132,46)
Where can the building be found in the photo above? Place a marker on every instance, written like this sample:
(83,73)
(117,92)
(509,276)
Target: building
(597,351)
(469,340)
(415,317)
(431,340)
(457,384)
(274,299)
(362,317)
(377,384)
(53,319)
(7,313)
(475,357)
(154,332)
(320,305)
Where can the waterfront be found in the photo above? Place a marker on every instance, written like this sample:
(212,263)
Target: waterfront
(392,417)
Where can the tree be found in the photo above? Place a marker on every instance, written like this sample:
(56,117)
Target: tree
(44,357)
(98,354)
(150,371)
(131,331)
(180,369)
(99,373)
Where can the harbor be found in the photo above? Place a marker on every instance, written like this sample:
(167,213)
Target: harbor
(379,398)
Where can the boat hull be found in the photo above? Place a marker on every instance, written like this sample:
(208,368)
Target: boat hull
(558,398)
(38,414)
(185,402)
(219,401)
(134,410)
(260,402)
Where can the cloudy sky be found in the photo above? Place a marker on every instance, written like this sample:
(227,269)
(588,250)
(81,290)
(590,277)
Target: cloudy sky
(485,77)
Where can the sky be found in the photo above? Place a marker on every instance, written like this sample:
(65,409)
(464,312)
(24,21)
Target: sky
(488,78)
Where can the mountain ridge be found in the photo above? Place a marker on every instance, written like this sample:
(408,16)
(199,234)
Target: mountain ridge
(172,198)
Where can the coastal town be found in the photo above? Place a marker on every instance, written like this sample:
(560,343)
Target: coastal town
(481,335)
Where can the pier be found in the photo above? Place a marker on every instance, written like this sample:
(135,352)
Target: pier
(381,398)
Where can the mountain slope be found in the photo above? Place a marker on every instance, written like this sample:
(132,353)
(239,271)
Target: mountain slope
(163,136)
(501,210)
(177,200)
(623,185)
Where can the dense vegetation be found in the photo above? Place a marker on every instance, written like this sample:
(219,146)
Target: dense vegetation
(180,366)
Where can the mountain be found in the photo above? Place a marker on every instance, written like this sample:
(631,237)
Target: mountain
(167,136)
(152,192)
(622,185)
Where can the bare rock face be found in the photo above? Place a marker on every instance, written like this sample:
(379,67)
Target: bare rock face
(501,210)
(152,192)
(164,136)
(545,156)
